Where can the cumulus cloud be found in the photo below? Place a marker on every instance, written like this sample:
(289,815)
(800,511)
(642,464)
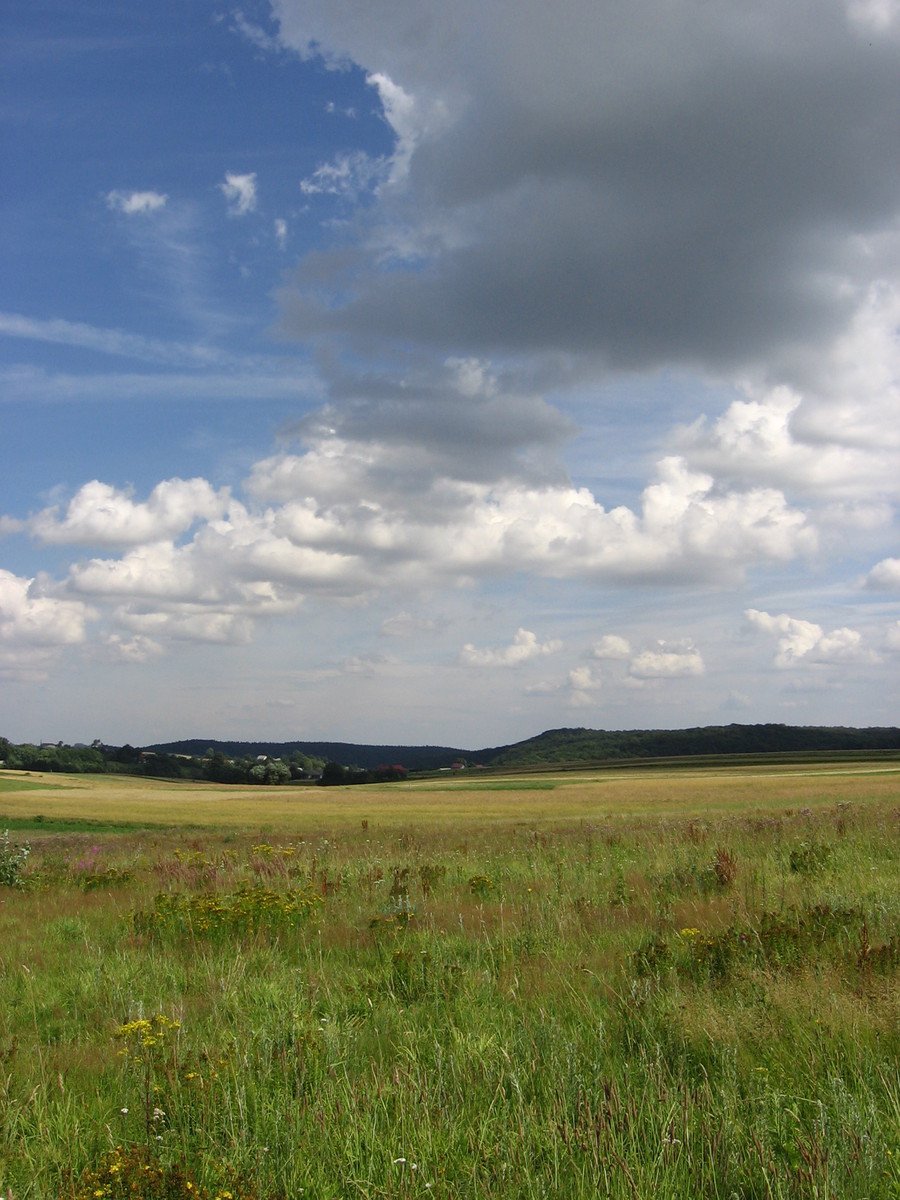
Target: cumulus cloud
(29,616)
(101,515)
(885,576)
(837,439)
(350,519)
(373,499)
(131,203)
(611,646)
(34,626)
(583,685)
(755,441)
(801,642)
(667,661)
(160,571)
(239,192)
(524,647)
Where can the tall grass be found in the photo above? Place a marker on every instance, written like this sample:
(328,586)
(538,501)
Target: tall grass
(667,1007)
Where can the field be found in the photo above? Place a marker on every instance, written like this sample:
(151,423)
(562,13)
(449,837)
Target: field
(627,984)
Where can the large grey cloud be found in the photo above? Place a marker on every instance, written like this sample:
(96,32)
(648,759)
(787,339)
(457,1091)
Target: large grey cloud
(636,184)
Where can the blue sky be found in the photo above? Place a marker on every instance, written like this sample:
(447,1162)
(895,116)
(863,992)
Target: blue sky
(442,373)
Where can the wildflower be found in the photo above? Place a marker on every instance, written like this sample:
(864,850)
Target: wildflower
(124,1112)
(688,933)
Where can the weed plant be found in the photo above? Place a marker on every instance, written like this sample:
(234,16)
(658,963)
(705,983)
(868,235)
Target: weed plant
(13,858)
(638,1008)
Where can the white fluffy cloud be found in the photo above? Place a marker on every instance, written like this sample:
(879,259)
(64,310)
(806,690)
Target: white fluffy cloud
(835,440)
(29,617)
(239,192)
(667,661)
(885,576)
(131,203)
(523,648)
(583,686)
(356,500)
(35,626)
(101,515)
(354,518)
(801,642)
(611,646)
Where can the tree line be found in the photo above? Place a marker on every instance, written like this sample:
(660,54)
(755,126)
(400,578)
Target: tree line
(101,759)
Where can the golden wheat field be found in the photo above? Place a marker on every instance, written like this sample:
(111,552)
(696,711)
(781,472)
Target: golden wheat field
(569,796)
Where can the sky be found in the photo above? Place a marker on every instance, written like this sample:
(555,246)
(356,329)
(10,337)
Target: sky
(423,372)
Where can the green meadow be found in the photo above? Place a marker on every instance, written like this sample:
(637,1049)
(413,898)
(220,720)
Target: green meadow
(625,984)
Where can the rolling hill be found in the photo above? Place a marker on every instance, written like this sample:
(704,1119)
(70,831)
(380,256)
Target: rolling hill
(570,746)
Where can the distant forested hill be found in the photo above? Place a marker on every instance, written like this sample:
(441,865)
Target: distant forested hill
(595,745)
(414,758)
(570,746)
